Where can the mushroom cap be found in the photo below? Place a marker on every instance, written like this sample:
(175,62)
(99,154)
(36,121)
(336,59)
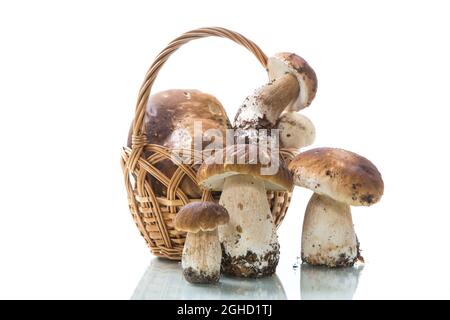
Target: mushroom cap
(204,216)
(244,159)
(169,121)
(296,130)
(340,174)
(171,113)
(285,62)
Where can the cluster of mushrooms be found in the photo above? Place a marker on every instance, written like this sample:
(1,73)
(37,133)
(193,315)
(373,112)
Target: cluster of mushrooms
(237,236)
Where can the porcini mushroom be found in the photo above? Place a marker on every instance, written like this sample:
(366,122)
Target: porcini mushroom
(292,86)
(202,254)
(296,130)
(262,109)
(249,241)
(285,62)
(169,121)
(339,179)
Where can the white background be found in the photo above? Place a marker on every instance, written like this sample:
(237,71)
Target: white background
(69,76)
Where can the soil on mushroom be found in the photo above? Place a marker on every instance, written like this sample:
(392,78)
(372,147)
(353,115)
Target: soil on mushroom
(248,265)
(194,276)
(343,261)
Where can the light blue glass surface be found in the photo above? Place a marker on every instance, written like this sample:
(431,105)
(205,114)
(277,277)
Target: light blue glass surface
(163,279)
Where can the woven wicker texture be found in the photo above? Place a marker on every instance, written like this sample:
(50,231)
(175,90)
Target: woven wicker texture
(152,213)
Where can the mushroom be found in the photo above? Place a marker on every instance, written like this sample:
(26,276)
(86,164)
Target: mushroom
(249,241)
(296,130)
(290,63)
(339,179)
(262,109)
(169,121)
(201,253)
(292,86)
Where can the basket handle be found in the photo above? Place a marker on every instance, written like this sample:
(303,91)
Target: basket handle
(138,138)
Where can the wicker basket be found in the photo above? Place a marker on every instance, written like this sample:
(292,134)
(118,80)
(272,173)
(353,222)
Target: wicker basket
(152,213)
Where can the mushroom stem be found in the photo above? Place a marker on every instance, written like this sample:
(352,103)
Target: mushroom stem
(201,257)
(249,241)
(328,236)
(262,109)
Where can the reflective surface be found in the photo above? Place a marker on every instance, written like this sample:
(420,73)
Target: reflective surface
(163,279)
(326,283)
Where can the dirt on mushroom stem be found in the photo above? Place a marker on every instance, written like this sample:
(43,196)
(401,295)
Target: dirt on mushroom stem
(244,266)
(249,242)
(328,236)
(194,276)
(201,257)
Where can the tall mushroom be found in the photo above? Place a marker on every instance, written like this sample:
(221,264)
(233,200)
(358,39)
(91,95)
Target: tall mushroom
(339,179)
(296,130)
(202,255)
(169,121)
(262,109)
(292,86)
(249,241)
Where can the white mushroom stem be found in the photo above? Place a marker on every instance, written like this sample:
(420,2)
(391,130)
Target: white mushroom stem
(249,240)
(296,130)
(202,257)
(262,109)
(328,236)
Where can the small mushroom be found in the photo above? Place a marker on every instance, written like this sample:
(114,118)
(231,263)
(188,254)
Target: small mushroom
(201,253)
(249,241)
(296,130)
(285,62)
(339,179)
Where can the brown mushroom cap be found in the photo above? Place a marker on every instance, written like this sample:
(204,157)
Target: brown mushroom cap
(174,109)
(285,62)
(204,216)
(342,175)
(169,121)
(239,160)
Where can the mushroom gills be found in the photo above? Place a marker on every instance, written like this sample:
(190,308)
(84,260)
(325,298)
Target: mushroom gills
(202,257)
(328,236)
(249,241)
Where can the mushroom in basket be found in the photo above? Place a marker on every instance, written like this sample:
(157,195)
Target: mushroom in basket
(262,109)
(170,120)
